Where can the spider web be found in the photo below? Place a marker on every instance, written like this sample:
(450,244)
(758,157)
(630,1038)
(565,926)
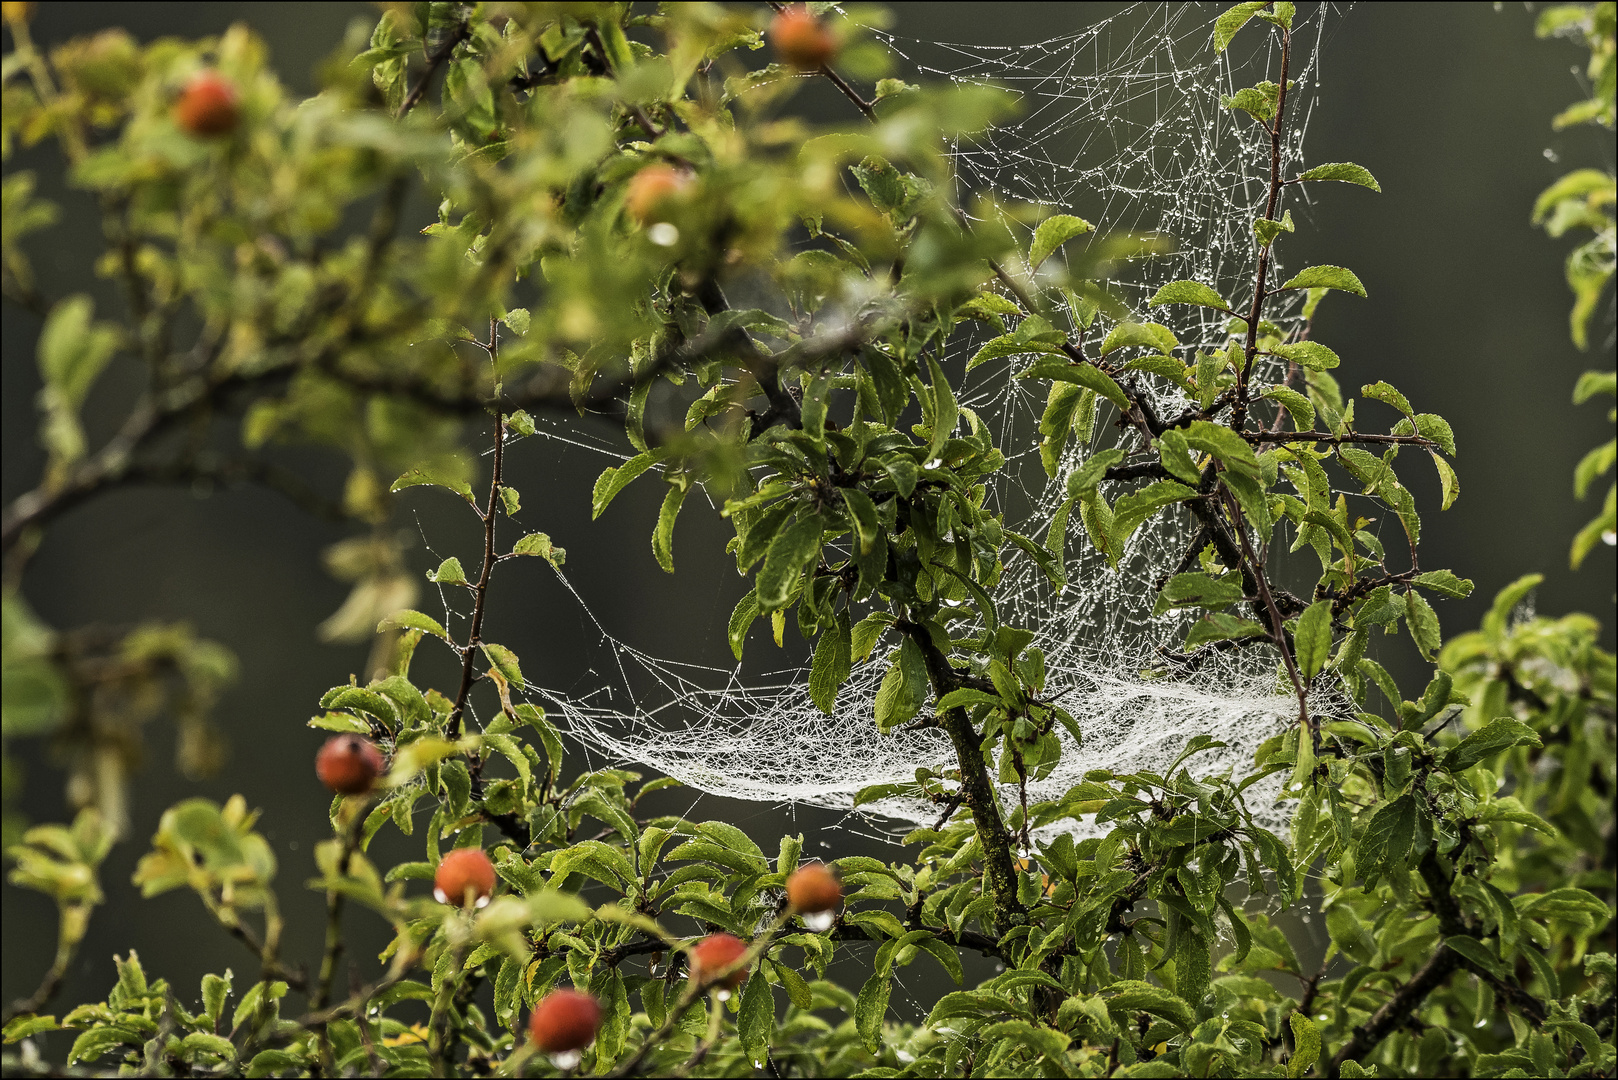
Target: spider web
(1120,123)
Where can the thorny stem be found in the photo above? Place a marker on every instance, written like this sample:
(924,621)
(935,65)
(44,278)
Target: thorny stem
(1238,415)
(481,589)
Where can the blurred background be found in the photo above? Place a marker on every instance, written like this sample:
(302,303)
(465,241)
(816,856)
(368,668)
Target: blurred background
(1449,105)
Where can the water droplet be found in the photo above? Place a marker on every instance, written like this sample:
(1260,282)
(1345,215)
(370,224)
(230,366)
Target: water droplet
(663,234)
(567,1059)
(820,921)
(723,995)
(1552,156)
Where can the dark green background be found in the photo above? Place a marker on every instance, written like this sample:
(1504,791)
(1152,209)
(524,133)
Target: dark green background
(1448,104)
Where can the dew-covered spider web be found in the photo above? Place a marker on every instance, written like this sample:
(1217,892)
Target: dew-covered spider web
(1121,124)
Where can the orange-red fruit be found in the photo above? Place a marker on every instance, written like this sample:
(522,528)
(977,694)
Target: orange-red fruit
(802,40)
(653,189)
(813,888)
(208,106)
(348,764)
(461,871)
(564,1020)
(715,953)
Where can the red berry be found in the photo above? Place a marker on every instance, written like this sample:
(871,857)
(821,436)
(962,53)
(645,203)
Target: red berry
(349,765)
(208,106)
(653,189)
(564,1020)
(813,888)
(802,40)
(461,871)
(714,954)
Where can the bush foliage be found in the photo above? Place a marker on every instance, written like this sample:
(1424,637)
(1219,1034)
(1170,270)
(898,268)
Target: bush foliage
(617,171)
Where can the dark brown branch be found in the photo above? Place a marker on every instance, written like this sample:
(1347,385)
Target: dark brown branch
(435,60)
(1347,438)
(1396,1009)
(1238,416)
(976,787)
(491,513)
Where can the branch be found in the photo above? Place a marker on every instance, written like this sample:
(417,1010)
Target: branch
(434,61)
(1347,437)
(481,589)
(1238,416)
(976,787)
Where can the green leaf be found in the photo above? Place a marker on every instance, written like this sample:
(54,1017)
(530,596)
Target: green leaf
(793,548)
(538,543)
(1233,20)
(510,500)
(1346,171)
(449,572)
(1130,511)
(1259,100)
(1056,424)
(1189,292)
(1436,428)
(1128,996)
(434,476)
(1422,621)
(1308,354)
(862,511)
(1307,1039)
(755,1019)
(615,479)
(1223,443)
(1387,838)
(1220,626)
(1313,638)
(1152,335)
(22,1027)
(1448,481)
(1085,375)
(1051,234)
(405,619)
(663,535)
(741,620)
(1326,277)
(831,665)
(1445,583)
(1296,405)
(1499,734)
(72,351)
(872,1008)
(1265,230)
(1175,453)
(1198,590)
(504,661)
(1388,395)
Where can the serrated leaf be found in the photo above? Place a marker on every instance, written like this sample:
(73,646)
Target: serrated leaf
(1086,375)
(791,549)
(406,619)
(449,572)
(1308,354)
(1436,428)
(1051,234)
(871,1009)
(1296,405)
(1498,734)
(505,662)
(1313,638)
(1327,277)
(1306,1037)
(663,535)
(1232,20)
(1188,292)
(1150,334)
(1446,583)
(616,478)
(1346,171)
(1265,230)
(1220,626)
(1128,996)
(1387,838)
(435,477)
(539,544)
(831,665)
(1198,590)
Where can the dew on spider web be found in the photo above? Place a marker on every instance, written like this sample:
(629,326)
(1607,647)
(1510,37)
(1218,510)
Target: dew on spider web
(1120,124)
